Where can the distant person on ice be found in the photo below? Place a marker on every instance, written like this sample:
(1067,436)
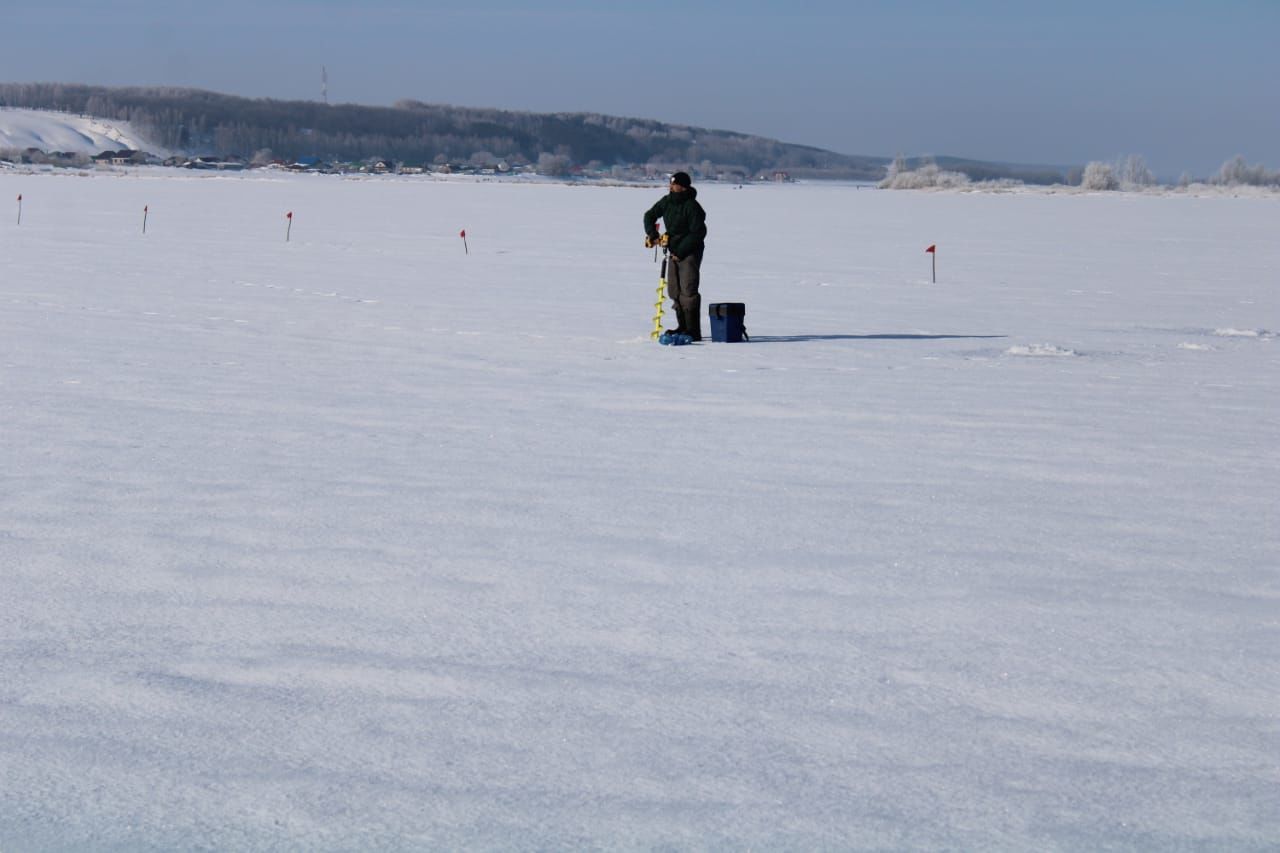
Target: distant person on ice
(686,224)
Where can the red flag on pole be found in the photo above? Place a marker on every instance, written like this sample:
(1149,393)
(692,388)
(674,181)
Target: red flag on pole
(933,250)
(463,235)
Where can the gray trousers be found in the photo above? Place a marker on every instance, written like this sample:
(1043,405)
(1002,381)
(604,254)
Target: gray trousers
(682,288)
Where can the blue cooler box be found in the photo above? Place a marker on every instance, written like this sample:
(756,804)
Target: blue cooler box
(727,322)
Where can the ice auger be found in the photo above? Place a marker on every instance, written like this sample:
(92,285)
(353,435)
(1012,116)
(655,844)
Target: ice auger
(662,296)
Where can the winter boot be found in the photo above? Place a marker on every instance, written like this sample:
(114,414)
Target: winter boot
(691,321)
(680,318)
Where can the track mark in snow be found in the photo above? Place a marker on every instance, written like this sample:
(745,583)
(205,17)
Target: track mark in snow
(1225,332)
(328,294)
(1041,351)
(1197,347)
(1243,333)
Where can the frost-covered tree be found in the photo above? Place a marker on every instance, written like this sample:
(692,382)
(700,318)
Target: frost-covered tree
(1237,172)
(928,176)
(1132,172)
(1099,176)
(555,165)
(897,167)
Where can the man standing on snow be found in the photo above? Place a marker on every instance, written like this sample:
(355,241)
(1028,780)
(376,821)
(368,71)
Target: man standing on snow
(686,224)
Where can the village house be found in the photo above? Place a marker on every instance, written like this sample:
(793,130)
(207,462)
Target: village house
(213,163)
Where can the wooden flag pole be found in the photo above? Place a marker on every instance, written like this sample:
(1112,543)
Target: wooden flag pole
(932,252)
(463,235)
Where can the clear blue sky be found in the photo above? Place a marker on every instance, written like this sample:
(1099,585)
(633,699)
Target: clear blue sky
(1185,84)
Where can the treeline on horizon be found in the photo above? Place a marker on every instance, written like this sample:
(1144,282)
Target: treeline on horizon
(200,122)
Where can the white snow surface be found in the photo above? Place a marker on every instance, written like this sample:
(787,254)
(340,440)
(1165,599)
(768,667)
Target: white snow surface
(357,541)
(47,131)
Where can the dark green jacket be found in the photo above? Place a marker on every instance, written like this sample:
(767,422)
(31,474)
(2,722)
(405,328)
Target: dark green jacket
(685,220)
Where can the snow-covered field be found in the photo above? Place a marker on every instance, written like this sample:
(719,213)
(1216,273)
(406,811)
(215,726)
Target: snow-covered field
(72,134)
(361,542)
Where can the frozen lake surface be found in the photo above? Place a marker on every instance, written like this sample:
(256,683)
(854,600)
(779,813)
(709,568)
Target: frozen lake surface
(361,542)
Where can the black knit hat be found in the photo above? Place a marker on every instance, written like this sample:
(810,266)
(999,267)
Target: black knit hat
(682,178)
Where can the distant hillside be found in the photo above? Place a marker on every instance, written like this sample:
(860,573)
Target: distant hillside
(200,122)
(70,134)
